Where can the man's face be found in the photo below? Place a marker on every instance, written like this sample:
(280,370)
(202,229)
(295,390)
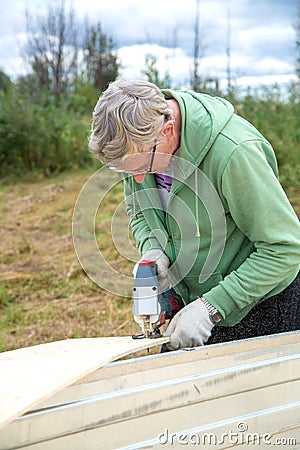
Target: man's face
(154,161)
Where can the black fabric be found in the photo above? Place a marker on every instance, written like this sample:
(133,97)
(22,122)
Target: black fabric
(164,348)
(277,314)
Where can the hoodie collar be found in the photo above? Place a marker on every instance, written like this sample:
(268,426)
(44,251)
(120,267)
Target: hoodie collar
(203,117)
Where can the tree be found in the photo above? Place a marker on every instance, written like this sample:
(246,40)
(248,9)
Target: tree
(298,43)
(197,81)
(52,46)
(100,59)
(5,82)
(152,74)
(228,50)
(196,76)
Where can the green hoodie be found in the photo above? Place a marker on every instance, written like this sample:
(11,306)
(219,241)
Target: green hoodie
(229,231)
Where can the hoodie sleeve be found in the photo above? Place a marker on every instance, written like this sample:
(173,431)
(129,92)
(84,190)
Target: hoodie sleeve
(140,229)
(261,210)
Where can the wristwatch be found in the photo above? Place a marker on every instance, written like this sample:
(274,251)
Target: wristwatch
(214,315)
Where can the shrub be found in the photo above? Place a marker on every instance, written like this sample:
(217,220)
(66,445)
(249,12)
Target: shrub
(276,115)
(40,135)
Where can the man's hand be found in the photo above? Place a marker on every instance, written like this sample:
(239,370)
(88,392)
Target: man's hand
(190,327)
(162,262)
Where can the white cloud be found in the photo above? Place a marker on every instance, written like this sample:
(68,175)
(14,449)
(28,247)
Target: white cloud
(276,40)
(262,35)
(10,61)
(267,80)
(179,66)
(173,61)
(273,66)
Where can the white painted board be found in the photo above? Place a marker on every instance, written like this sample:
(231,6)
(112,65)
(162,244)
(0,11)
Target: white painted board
(32,374)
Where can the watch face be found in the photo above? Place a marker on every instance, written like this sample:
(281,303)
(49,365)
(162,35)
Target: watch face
(216,317)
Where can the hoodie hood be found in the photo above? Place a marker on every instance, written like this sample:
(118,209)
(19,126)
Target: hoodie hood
(203,118)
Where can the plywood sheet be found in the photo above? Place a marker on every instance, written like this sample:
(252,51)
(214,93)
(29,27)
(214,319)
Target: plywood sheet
(32,374)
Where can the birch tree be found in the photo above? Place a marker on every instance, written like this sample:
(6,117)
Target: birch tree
(52,46)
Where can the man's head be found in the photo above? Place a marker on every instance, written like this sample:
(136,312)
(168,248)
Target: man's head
(128,119)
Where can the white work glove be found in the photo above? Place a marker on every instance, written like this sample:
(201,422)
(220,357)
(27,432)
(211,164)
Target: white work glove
(190,327)
(162,262)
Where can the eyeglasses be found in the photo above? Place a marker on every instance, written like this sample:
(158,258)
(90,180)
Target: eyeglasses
(152,159)
(128,159)
(138,170)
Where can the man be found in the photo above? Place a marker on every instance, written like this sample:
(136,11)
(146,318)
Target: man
(205,203)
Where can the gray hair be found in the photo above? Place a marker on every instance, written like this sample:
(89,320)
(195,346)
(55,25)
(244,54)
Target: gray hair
(127,118)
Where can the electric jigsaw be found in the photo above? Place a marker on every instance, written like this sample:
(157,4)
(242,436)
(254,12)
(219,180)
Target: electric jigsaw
(151,308)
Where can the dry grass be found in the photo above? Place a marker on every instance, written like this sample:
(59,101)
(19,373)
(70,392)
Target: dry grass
(44,293)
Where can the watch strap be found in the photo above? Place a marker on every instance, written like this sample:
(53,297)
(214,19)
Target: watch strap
(214,314)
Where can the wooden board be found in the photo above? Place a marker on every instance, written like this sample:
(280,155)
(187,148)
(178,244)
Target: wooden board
(249,386)
(33,374)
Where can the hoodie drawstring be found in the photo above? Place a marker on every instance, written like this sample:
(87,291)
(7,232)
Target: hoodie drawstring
(198,234)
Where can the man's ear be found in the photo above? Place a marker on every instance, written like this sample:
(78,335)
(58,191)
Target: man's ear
(168,129)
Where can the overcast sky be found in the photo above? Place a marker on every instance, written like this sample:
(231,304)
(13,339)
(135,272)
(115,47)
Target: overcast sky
(262,35)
